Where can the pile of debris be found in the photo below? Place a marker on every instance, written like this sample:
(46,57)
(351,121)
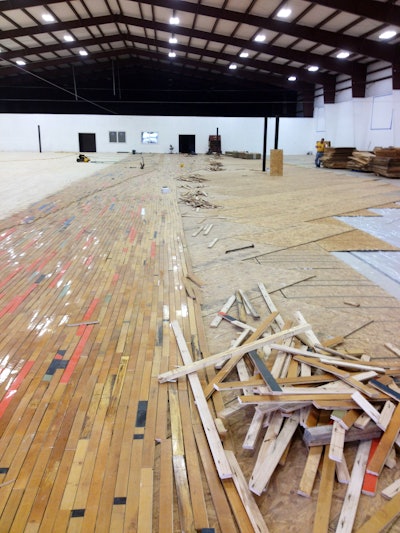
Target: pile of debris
(215,164)
(194,178)
(293,380)
(197,198)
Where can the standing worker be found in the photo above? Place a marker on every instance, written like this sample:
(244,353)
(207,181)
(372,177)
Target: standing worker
(320,146)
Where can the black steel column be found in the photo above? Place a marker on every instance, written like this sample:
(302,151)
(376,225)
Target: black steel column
(264,156)
(276,132)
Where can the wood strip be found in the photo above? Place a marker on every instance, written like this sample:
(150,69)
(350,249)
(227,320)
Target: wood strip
(391,490)
(337,443)
(310,471)
(224,309)
(210,430)
(325,493)
(265,466)
(321,435)
(382,518)
(385,444)
(250,505)
(350,503)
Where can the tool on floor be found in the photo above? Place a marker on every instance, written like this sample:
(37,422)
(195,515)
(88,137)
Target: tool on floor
(82,158)
(238,249)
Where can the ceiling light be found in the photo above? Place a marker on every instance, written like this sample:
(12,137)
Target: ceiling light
(83,53)
(313,68)
(174,20)
(68,38)
(387,34)
(260,38)
(173,40)
(292,78)
(20,62)
(244,54)
(47,17)
(284,13)
(343,55)
(172,54)
(233,66)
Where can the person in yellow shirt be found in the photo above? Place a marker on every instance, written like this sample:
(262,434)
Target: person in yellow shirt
(320,146)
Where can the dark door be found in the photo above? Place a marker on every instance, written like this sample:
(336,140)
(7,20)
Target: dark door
(187,144)
(87,142)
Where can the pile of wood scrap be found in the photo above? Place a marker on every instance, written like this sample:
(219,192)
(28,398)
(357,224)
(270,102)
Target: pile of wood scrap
(337,157)
(194,178)
(361,160)
(215,164)
(196,198)
(293,381)
(386,162)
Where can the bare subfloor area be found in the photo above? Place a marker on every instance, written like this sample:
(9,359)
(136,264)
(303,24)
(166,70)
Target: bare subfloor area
(111,417)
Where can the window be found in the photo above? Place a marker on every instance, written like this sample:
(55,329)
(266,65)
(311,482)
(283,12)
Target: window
(117,136)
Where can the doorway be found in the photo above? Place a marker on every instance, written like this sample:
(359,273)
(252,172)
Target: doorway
(87,142)
(187,144)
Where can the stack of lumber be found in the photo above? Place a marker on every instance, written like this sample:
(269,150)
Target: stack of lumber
(244,155)
(293,381)
(361,160)
(337,157)
(387,162)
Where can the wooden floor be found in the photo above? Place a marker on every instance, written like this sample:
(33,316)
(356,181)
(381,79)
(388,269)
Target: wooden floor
(91,279)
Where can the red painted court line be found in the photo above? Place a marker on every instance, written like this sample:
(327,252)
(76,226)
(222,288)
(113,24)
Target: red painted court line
(60,275)
(132,235)
(16,301)
(153,249)
(81,329)
(33,265)
(10,276)
(19,299)
(75,356)
(14,388)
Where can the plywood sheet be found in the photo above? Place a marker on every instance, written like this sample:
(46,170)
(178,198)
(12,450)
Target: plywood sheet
(355,240)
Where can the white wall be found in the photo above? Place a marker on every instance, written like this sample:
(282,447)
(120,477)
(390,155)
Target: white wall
(60,132)
(361,122)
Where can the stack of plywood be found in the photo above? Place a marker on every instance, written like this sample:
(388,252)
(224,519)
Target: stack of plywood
(337,157)
(295,381)
(387,162)
(361,160)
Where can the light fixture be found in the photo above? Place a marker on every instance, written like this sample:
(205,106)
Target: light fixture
(47,17)
(20,62)
(68,38)
(244,54)
(388,34)
(233,66)
(174,19)
(83,53)
(172,54)
(292,78)
(284,13)
(313,68)
(173,40)
(260,38)
(343,55)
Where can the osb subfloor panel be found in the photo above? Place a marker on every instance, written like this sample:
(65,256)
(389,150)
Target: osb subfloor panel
(91,278)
